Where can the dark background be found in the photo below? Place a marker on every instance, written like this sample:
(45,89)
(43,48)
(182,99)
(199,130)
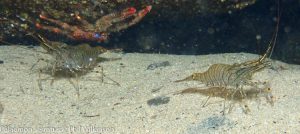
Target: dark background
(174,30)
(218,33)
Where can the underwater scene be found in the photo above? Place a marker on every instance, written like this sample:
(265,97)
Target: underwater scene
(149,66)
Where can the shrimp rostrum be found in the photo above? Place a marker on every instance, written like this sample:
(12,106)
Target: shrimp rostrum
(71,61)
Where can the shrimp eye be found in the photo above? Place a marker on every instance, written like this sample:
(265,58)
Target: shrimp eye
(269,89)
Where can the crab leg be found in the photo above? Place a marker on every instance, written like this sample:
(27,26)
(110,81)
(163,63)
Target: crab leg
(136,17)
(57,22)
(48,28)
(120,16)
(66,27)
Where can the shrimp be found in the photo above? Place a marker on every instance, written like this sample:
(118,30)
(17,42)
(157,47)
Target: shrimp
(252,93)
(72,61)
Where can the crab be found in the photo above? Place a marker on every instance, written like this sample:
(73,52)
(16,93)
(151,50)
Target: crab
(98,31)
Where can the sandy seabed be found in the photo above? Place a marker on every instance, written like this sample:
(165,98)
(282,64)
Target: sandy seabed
(104,107)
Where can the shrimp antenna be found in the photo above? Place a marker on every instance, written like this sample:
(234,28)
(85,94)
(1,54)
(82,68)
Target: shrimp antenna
(272,42)
(41,40)
(279,12)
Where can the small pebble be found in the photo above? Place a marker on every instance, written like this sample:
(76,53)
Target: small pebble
(159,64)
(158,101)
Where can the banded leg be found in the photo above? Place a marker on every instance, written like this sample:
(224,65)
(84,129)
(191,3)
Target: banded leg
(121,22)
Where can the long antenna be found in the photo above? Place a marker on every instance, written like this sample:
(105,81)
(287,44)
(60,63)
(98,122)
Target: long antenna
(279,12)
(272,42)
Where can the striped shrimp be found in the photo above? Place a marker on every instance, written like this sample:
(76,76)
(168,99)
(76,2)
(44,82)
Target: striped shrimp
(228,75)
(236,75)
(255,92)
(72,61)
